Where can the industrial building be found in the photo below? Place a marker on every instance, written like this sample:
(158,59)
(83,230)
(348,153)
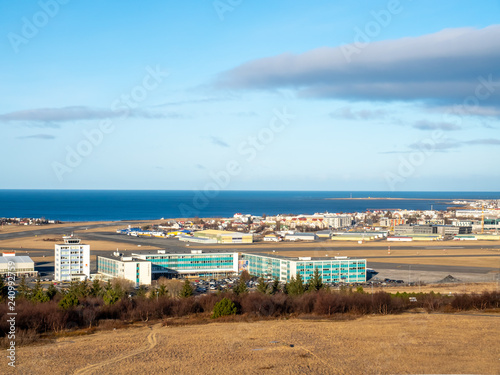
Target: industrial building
(301,237)
(128,268)
(10,263)
(72,260)
(443,230)
(332,270)
(219,236)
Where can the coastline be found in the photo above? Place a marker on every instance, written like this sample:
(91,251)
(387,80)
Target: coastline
(396,199)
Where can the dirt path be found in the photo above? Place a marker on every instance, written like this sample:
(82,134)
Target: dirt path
(152,343)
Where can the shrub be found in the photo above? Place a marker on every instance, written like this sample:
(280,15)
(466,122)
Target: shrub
(223,308)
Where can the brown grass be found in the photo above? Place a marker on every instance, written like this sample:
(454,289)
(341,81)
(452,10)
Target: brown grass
(24,228)
(45,243)
(408,343)
(438,288)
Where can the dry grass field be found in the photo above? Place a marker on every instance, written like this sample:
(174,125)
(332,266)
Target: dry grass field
(439,288)
(26,228)
(403,344)
(46,242)
(382,244)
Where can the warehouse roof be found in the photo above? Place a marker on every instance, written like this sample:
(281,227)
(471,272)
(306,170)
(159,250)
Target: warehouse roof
(16,259)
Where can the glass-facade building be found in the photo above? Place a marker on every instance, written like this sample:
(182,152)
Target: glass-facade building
(197,263)
(332,270)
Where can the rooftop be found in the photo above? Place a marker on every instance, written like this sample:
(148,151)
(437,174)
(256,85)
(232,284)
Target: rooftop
(16,259)
(281,257)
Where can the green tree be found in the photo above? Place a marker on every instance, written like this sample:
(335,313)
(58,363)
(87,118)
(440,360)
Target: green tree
(262,286)
(51,292)
(37,294)
(96,289)
(23,289)
(187,289)
(223,308)
(68,301)
(241,287)
(316,282)
(275,286)
(296,286)
(245,276)
(3,289)
(111,296)
(82,288)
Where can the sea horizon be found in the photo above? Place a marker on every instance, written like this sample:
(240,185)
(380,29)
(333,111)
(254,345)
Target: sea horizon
(73,205)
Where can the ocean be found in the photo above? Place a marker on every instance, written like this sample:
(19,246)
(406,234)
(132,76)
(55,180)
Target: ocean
(103,205)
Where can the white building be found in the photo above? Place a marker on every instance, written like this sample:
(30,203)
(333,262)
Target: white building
(298,236)
(129,268)
(338,221)
(10,263)
(72,260)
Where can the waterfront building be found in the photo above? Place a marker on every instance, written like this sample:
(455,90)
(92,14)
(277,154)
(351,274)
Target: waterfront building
(338,221)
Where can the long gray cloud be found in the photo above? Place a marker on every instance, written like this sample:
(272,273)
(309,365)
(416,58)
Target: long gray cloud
(429,125)
(56,115)
(450,144)
(362,114)
(38,136)
(444,67)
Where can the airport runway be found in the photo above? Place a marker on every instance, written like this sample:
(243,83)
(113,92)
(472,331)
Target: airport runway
(168,243)
(55,229)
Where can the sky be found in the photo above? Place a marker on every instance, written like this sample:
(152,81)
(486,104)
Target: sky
(250,95)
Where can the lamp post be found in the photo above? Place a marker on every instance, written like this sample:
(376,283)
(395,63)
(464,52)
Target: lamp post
(409,268)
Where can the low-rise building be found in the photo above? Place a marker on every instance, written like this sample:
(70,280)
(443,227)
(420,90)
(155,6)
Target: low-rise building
(443,230)
(129,268)
(331,270)
(222,236)
(196,263)
(301,237)
(19,265)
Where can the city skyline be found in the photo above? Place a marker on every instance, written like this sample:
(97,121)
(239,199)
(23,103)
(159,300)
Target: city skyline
(281,96)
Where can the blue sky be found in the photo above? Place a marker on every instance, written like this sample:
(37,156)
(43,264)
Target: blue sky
(282,95)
